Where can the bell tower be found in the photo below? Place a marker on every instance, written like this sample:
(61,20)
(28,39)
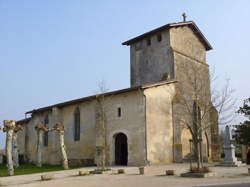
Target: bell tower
(153,54)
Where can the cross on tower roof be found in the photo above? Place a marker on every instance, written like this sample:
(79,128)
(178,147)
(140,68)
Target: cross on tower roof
(184,17)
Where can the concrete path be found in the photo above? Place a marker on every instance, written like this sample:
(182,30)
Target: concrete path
(153,178)
(232,185)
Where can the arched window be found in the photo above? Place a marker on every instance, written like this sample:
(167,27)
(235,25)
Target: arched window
(46,134)
(77,124)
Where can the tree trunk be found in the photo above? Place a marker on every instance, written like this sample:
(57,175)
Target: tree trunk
(101,128)
(197,155)
(197,138)
(104,138)
(9,151)
(39,148)
(201,152)
(103,158)
(15,150)
(63,151)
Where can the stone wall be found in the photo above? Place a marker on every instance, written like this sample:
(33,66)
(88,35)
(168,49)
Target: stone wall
(159,123)
(185,146)
(190,69)
(50,153)
(21,140)
(183,40)
(182,56)
(131,123)
(149,63)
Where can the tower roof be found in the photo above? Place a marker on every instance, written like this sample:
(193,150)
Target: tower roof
(190,24)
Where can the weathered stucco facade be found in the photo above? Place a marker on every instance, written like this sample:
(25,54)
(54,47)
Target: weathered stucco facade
(132,122)
(159,123)
(148,116)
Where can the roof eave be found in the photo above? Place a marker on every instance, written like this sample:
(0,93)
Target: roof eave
(89,98)
(128,42)
(26,120)
(84,99)
(167,26)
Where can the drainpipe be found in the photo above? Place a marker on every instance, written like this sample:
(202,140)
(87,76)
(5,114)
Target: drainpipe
(172,106)
(145,121)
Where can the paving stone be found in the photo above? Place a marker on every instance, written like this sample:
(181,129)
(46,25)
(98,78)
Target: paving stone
(83,173)
(142,170)
(47,177)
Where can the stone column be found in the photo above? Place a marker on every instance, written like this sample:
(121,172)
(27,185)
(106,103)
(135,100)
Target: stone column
(229,149)
(40,129)
(26,141)
(9,129)
(15,145)
(54,136)
(60,129)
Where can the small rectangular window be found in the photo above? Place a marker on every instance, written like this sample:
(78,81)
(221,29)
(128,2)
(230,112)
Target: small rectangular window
(138,46)
(159,38)
(119,112)
(148,42)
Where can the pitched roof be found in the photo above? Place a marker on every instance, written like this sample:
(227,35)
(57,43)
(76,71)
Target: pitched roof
(190,24)
(89,98)
(23,121)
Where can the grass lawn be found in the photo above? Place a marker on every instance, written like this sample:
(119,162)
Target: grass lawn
(29,169)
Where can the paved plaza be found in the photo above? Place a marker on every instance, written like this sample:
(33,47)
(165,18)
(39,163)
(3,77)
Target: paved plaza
(153,178)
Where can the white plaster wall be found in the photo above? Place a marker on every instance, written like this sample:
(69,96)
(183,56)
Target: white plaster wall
(131,123)
(159,123)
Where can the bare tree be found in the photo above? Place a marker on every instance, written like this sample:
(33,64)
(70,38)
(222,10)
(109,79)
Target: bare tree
(9,129)
(196,102)
(101,125)
(60,129)
(224,103)
(15,145)
(40,129)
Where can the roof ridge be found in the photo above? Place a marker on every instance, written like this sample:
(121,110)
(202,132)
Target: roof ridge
(195,29)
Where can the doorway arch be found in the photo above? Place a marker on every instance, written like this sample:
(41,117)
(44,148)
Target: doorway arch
(121,149)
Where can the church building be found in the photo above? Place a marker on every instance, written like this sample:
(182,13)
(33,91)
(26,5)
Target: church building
(143,124)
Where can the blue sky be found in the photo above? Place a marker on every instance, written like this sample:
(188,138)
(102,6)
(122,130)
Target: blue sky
(53,51)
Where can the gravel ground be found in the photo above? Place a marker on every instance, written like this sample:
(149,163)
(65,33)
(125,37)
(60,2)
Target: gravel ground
(154,177)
